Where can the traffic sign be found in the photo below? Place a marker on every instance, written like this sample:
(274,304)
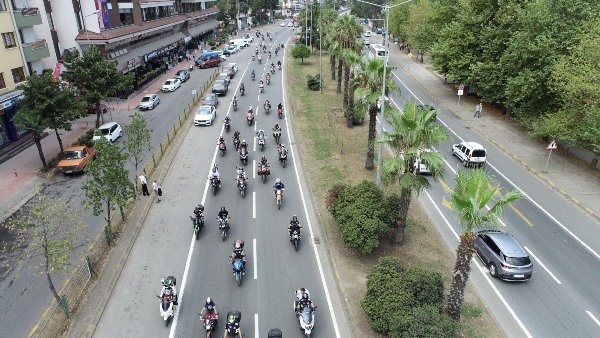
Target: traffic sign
(460,92)
(552,145)
(461,87)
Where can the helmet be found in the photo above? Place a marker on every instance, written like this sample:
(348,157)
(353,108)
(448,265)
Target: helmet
(237,245)
(304,296)
(208,300)
(276,125)
(264,158)
(243,141)
(214,169)
(278,180)
(222,208)
(294,218)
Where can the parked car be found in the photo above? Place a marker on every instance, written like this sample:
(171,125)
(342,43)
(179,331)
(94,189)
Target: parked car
(379,31)
(248,36)
(149,101)
(211,61)
(224,76)
(233,49)
(111,131)
(282,24)
(220,87)
(182,75)
(171,85)
(205,116)
(366,41)
(231,69)
(75,159)
(367,34)
(503,255)
(471,154)
(210,100)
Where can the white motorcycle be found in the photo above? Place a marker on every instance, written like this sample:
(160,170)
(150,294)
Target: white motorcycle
(306,319)
(166,306)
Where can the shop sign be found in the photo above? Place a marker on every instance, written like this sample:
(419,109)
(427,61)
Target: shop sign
(150,56)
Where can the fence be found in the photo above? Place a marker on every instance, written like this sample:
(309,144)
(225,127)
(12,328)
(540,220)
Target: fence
(53,321)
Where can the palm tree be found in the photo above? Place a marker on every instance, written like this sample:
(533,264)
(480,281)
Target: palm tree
(350,58)
(347,30)
(413,131)
(370,79)
(473,191)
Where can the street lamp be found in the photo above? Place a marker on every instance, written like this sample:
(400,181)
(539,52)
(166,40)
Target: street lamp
(87,34)
(382,100)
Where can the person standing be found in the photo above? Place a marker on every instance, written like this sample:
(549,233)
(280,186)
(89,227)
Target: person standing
(144,182)
(158,190)
(478,110)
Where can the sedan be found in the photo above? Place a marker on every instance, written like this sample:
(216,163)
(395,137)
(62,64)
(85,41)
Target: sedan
(366,41)
(220,87)
(111,131)
(210,100)
(171,85)
(182,75)
(224,76)
(283,25)
(205,116)
(290,24)
(233,49)
(149,102)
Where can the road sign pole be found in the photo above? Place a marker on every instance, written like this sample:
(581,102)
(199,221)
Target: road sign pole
(548,161)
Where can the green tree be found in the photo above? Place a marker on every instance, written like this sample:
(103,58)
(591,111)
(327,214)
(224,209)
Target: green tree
(95,77)
(57,105)
(300,51)
(474,190)
(52,228)
(412,131)
(368,93)
(34,122)
(138,139)
(367,11)
(108,184)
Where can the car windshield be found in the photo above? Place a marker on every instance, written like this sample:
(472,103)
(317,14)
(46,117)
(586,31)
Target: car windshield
(168,83)
(104,131)
(478,153)
(203,111)
(146,98)
(73,155)
(517,261)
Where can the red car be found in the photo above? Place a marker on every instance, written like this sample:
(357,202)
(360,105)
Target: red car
(211,61)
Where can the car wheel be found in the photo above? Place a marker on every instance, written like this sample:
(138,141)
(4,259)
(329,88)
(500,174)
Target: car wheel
(493,270)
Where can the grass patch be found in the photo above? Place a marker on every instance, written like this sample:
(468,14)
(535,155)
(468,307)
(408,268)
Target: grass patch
(334,154)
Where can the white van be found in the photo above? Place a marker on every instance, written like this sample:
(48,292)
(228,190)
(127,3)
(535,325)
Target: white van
(470,153)
(240,42)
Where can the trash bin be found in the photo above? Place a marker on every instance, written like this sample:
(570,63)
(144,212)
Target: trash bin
(274,333)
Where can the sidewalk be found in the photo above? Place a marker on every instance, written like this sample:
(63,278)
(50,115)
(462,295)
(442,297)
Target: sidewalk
(570,176)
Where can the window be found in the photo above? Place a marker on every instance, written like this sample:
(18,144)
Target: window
(18,74)
(9,40)
(2,83)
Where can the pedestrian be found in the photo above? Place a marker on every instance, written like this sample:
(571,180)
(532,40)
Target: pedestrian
(158,190)
(144,182)
(478,110)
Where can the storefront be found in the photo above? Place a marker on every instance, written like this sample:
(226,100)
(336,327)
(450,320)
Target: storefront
(9,132)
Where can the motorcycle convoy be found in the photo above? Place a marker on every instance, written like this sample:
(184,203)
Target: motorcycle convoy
(303,306)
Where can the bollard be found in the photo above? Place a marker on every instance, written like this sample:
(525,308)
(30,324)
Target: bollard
(153,161)
(162,152)
(179,118)
(174,130)
(16,175)
(168,138)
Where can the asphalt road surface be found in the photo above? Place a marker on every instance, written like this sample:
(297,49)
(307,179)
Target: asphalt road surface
(274,271)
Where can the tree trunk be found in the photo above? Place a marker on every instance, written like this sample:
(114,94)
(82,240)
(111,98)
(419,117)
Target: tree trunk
(47,268)
(346,82)
(62,150)
(403,206)
(460,275)
(98,114)
(332,60)
(38,142)
(339,74)
(371,144)
(351,104)
(108,206)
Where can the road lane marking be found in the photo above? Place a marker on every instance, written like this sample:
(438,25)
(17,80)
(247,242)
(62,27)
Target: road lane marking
(518,212)
(254,169)
(254,204)
(254,144)
(542,265)
(479,267)
(256,325)
(255,258)
(593,317)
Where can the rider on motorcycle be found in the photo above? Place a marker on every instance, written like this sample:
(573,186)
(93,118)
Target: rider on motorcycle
(276,127)
(252,75)
(279,64)
(279,106)
(261,134)
(169,284)
(272,67)
(305,301)
(223,215)
(269,54)
(282,150)
(268,78)
(240,175)
(263,162)
(244,145)
(210,307)
(261,84)
(235,101)
(227,121)
(233,325)
(198,214)
(267,103)
(278,185)
(294,226)
(221,139)
(242,88)
(259,57)
(215,174)
(238,253)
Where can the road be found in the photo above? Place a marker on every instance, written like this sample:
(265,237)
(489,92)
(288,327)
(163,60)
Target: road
(561,299)
(166,246)
(27,291)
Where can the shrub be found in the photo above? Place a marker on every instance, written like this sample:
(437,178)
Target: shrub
(389,215)
(314,83)
(427,286)
(86,138)
(424,322)
(332,195)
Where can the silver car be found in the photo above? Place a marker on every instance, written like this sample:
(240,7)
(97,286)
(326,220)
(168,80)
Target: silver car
(149,101)
(503,255)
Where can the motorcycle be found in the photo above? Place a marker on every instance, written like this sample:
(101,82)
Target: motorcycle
(306,319)
(264,172)
(261,144)
(261,88)
(279,66)
(198,223)
(238,266)
(166,306)
(236,143)
(252,76)
(279,197)
(242,90)
(282,159)
(244,156)
(242,186)
(295,239)
(227,126)
(222,149)
(249,118)
(277,136)
(210,324)
(267,108)
(224,227)
(268,81)
(235,105)
(280,113)
(214,185)
(272,70)
(252,57)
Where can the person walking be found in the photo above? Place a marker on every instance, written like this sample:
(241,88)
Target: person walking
(144,182)
(478,110)
(158,190)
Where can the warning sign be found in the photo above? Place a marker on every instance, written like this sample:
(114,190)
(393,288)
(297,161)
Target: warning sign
(552,145)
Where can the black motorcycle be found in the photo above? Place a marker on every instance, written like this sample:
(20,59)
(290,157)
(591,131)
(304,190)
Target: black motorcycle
(244,156)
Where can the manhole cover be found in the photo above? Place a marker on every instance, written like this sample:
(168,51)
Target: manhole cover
(317,240)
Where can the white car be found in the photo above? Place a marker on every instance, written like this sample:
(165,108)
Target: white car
(368,34)
(419,167)
(111,131)
(283,25)
(149,101)
(367,42)
(205,116)
(233,49)
(290,24)
(171,85)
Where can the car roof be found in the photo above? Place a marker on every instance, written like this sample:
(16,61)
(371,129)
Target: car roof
(75,148)
(506,242)
(107,125)
(475,145)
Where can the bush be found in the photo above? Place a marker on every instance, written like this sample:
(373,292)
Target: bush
(427,286)
(424,322)
(358,210)
(390,210)
(314,82)
(86,138)
(332,195)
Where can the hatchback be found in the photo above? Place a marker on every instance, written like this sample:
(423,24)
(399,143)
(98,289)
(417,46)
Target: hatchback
(503,255)
(111,131)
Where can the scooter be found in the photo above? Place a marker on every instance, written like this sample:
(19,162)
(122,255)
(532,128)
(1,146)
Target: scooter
(295,239)
(166,306)
(280,113)
(210,324)
(306,319)
(222,149)
(242,187)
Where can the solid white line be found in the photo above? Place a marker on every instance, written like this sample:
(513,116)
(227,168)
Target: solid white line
(308,222)
(485,275)
(256,325)
(255,258)
(593,317)
(542,265)
(254,204)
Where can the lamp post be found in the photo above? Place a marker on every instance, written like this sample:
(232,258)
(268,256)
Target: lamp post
(87,35)
(386,8)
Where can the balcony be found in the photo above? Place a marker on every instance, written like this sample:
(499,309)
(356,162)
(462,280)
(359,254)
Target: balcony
(37,50)
(27,17)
